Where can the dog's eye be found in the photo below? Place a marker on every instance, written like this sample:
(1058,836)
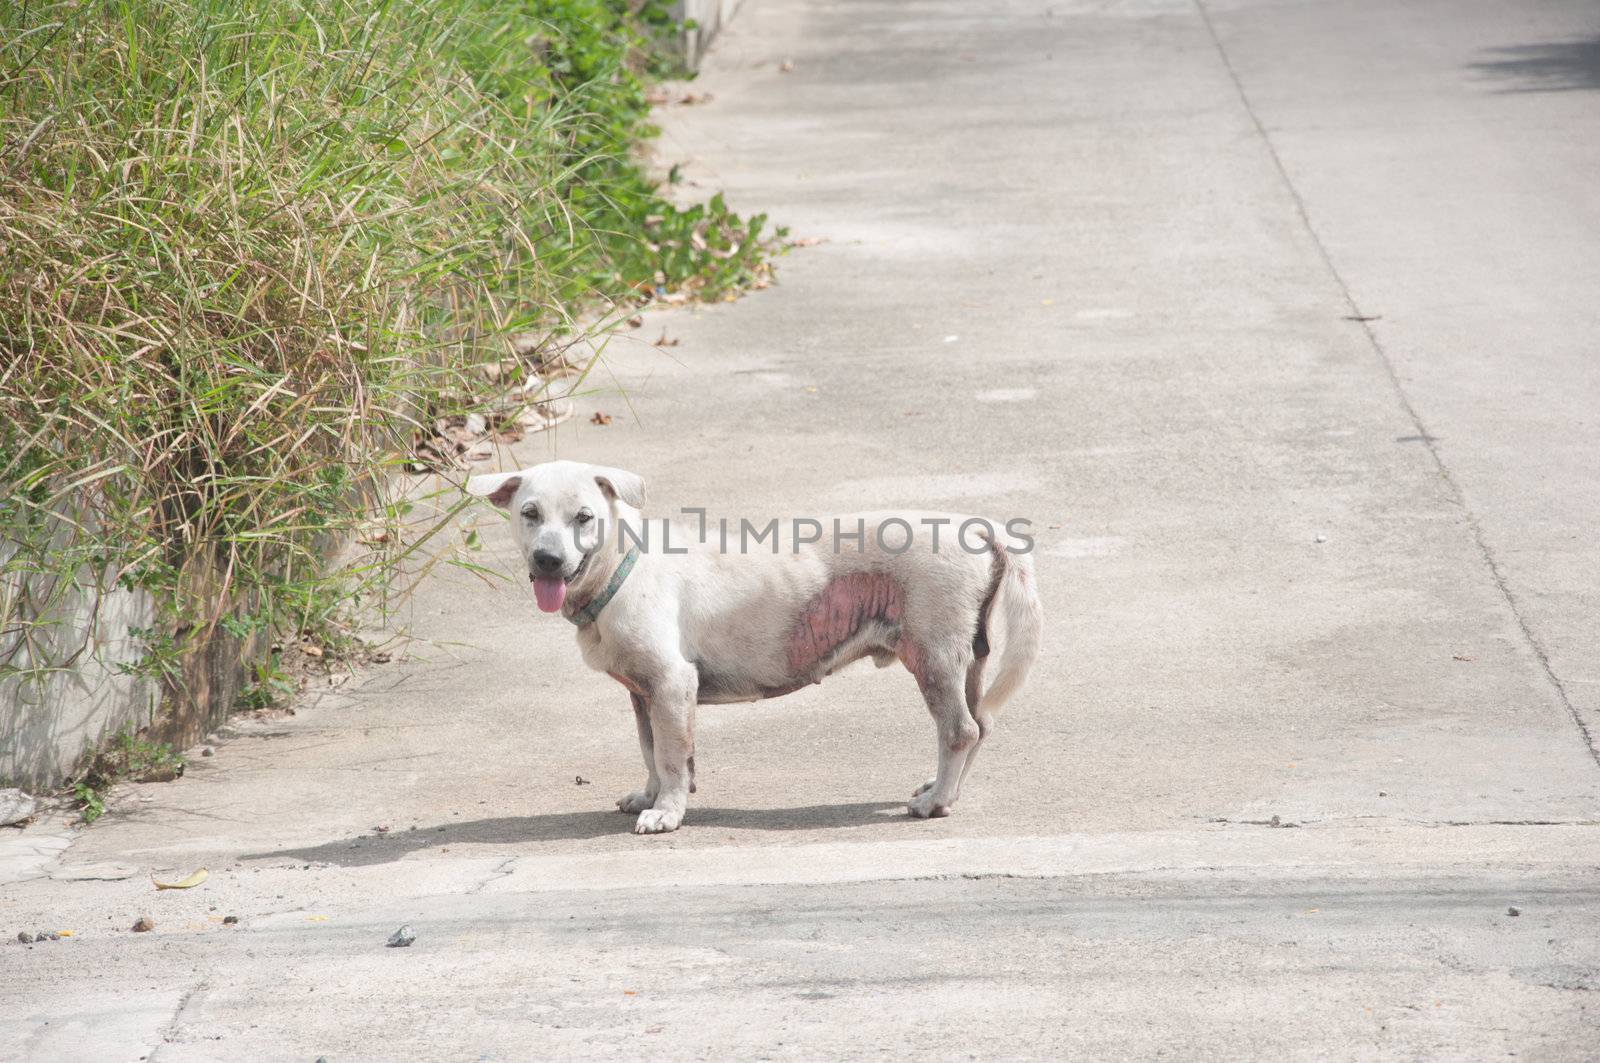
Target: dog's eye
(530,512)
(584,516)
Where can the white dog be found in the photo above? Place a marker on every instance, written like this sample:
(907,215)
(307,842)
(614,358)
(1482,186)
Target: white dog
(681,619)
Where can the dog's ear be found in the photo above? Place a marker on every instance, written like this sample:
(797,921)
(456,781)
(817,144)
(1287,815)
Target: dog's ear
(497,487)
(619,483)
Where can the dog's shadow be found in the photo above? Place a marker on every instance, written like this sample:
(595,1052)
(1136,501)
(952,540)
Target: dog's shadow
(368,849)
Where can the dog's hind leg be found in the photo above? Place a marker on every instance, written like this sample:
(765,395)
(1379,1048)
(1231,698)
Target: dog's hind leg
(984,720)
(958,733)
(640,800)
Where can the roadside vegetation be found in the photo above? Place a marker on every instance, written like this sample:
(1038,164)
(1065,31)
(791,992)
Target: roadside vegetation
(250,249)
(124,757)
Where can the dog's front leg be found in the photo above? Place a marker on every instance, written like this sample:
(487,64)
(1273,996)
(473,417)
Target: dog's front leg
(640,800)
(671,719)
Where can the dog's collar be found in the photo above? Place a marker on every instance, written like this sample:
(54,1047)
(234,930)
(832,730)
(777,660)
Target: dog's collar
(591,609)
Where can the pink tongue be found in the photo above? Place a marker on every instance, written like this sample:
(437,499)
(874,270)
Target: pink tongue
(550,592)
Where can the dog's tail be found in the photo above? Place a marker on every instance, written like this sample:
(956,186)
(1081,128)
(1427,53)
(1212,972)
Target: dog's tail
(1017,598)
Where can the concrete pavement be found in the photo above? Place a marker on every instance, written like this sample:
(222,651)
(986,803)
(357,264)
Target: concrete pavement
(1097,265)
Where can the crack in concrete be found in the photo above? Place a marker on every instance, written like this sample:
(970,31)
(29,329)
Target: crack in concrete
(169,1032)
(1509,823)
(1408,820)
(1275,822)
(504,869)
(1365,320)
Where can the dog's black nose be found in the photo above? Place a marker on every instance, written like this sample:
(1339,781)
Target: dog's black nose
(547,562)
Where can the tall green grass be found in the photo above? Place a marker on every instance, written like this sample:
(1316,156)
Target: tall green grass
(246,244)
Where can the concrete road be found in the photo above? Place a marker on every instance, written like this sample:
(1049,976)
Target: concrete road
(1278,319)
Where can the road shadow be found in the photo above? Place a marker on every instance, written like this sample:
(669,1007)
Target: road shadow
(368,849)
(1550,66)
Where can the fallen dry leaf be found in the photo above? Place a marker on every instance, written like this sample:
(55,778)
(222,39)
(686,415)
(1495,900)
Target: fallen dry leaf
(600,418)
(494,372)
(542,416)
(185,884)
(657,97)
(664,342)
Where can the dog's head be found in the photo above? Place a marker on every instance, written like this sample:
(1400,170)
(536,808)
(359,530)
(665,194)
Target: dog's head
(563,514)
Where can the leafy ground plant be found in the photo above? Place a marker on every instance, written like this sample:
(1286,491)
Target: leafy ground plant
(249,245)
(126,757)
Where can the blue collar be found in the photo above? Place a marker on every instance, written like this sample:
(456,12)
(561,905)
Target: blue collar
(591,610)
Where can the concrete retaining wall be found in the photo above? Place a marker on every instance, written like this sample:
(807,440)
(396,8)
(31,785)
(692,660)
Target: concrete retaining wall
(709,17)
(49,721)
(52,721)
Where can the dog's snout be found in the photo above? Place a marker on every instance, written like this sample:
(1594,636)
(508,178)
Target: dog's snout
(547,562)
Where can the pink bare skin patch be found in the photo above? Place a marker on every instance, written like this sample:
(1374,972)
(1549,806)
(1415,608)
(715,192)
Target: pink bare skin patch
(914,659)
(837,614)
(633,687)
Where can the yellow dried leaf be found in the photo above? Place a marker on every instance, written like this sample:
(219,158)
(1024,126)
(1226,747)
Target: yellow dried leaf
(189,883)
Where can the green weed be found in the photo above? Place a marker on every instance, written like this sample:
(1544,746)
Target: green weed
(126,756)
(270,685)
(91,802)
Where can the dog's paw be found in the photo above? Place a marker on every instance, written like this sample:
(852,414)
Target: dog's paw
(635,802)
(924,788)
(657,821)
(922,806)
